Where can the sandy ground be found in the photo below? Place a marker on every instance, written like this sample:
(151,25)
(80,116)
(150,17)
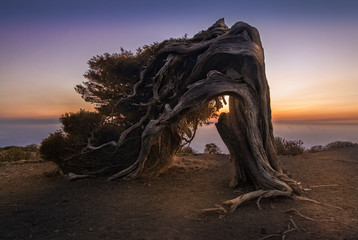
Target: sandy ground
(37,203)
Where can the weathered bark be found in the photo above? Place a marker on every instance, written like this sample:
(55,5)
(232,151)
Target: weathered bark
(185,75)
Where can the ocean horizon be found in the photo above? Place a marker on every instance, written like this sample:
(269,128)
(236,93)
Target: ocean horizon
(22,132)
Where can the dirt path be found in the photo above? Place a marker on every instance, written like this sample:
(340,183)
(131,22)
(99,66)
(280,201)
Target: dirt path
(37,203)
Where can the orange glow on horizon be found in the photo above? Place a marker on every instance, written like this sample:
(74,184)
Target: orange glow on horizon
(345,113)
(44,111)
(316,114)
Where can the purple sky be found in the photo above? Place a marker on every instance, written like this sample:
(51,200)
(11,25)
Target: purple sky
(310,46)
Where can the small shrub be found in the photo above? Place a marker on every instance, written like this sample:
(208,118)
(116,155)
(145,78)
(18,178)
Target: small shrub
(32,148)
(53,148)
(212,148)
(289,147)
(317,148)
(8,147)
(338,144)
(187,150)
(81,124)
(13,154)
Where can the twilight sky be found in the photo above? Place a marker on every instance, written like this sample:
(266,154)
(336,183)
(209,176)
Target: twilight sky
(311,49)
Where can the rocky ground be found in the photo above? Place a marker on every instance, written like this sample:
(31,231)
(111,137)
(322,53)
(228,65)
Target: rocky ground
(37,203)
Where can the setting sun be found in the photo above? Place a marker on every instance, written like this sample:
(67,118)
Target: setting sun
(225,106)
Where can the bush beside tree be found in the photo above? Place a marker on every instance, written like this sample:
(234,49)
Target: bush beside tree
(289,147)
(17,153)
(332,146)
(212,148)
(295,147)
(338,145)
(68,144)
(314,149)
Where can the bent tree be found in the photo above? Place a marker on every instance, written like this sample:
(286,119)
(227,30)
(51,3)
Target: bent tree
(181,78)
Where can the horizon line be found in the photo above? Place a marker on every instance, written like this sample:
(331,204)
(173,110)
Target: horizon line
(278,121)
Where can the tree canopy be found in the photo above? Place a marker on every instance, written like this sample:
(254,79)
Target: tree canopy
(114,85)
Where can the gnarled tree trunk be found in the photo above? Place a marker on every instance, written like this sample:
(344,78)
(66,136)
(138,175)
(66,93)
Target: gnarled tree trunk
(186,74)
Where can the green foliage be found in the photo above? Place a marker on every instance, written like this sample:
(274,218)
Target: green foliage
(110,81)
(289,147)
(212,148)
(16,153)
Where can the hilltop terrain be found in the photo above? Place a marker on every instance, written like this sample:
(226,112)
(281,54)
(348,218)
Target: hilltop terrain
(37,203)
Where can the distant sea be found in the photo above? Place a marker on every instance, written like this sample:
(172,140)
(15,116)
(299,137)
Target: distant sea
(22,132)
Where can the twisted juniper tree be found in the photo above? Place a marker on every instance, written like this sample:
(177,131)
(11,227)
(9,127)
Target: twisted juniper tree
(173,86)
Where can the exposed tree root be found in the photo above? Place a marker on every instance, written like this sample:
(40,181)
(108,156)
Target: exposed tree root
(258,203)
(124,172)
(217,210)
(315,201)
(296,212)
(234,203)
(319,186)
(290,227)
(325,185)
(71,176)
(259,194)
